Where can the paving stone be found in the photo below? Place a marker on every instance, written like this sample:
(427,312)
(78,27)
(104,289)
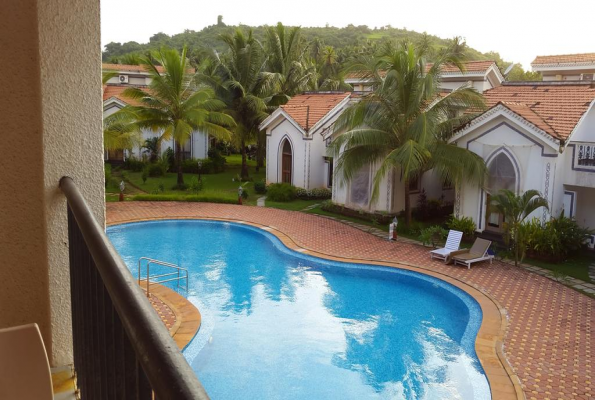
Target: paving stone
(549,335)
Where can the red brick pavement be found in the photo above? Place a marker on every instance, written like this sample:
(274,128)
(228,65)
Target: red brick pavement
(548,341)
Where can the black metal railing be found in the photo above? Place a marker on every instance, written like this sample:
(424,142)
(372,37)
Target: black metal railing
(122,350)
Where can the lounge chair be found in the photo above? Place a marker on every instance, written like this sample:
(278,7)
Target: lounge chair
(478,252)
(452,244)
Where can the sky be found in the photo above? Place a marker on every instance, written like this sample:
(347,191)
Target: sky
(519,30)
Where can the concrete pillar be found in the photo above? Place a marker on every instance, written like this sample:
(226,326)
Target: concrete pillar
(51,116)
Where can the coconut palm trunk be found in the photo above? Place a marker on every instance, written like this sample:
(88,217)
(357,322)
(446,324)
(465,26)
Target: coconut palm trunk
(180,181)
(407,204)
(244,172)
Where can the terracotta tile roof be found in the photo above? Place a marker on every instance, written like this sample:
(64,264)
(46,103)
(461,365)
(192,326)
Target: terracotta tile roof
(309,108)
(470,67)
(128,68)
(583,58)
(554,108)
(110,91)
(135,68)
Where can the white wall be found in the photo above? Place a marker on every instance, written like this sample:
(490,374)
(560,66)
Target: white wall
(299,146)
(525,148)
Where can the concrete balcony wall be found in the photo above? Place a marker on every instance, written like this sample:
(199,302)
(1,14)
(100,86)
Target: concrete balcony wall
(50,97)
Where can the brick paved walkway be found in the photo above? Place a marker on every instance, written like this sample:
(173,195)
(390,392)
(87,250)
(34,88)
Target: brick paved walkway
(549,338)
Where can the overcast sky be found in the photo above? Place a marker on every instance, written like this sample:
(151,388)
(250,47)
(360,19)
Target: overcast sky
(519,30)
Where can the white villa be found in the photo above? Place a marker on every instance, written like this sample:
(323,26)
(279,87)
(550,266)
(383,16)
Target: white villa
(299,132)
(535,135)
(113,100)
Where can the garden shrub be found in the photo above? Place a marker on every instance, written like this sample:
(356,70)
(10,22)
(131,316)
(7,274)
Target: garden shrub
(133,164)
(260,187)
(208,197)
(170,157)
(145,174)
(433,235)
(420,212)
(195,185)
(555,240)
(282,192)
(159,168)
(217,160)
(108,174)
(316,193)
(462,224)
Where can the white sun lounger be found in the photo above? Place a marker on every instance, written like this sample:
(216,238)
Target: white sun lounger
(478,252)
(452,244)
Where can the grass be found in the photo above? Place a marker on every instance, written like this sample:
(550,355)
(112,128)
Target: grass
(296,205)
(575,267)
(221,186)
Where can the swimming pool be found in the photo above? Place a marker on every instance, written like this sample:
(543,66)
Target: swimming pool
(277,324)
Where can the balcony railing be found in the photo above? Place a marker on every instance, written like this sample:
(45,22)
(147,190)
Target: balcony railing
(122,350)
(585,155)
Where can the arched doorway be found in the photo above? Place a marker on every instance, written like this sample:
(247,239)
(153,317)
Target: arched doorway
(286,162)
(502,174)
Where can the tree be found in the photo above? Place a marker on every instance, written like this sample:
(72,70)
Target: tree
(238,81)
(287,72)
(405,123)
(120,132)
(174,105)
(515,210)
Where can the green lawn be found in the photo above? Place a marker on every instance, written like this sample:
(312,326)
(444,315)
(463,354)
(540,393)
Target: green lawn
(223,183)
(576,266)
(296,205)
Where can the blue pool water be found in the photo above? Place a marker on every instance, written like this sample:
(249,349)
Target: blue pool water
(277,324)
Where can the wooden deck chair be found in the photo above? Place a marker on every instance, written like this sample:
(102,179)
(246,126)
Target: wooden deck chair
(24,367)
(452,244)
(478,252)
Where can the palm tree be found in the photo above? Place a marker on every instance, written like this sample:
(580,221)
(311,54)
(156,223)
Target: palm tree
(119,131)
(174,105)
(238,81)
(515,210)
(405,123)
(287,69)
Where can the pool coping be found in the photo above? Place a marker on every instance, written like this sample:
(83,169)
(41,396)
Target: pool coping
(504,382)
(188,318)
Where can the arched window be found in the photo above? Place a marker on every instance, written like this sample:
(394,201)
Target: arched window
(286,162)
(501,174)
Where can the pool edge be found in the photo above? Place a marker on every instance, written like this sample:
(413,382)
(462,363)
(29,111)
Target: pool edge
(503,381)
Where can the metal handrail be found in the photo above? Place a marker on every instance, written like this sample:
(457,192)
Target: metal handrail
(165,264)
(167,372)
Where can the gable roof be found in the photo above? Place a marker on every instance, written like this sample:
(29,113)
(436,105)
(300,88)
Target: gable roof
(115,91)
(129,68)
(554,107)
(310,108)
(582,58)
(471,67)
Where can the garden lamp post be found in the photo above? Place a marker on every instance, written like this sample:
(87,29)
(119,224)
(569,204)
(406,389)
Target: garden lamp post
(199,169)
(392,229)
(240,191)
(122,187)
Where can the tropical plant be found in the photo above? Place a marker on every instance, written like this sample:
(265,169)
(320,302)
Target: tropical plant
(120,132)
(462,224)
(433,235)
(556,239)
(515,210)
(286,70)
(174,105)
(282,192)
(151,147)
(238,81)
(405,123)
